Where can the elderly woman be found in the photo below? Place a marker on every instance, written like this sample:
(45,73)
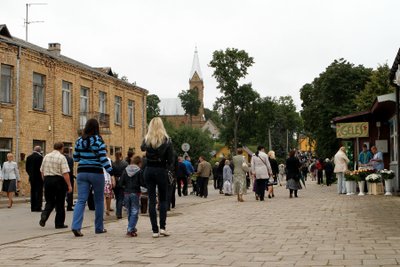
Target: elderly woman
(341,161)
(240,168)
(227,176)
(10,176)
(293,174)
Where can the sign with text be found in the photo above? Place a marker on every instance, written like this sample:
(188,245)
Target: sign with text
(352,130)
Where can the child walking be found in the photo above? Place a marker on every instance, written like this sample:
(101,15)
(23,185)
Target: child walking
(131,181)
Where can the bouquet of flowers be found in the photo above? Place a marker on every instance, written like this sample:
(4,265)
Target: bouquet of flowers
(387,174)
(363,173)
(351,176)
(374,178)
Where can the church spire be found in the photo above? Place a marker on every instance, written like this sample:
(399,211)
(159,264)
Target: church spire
(196,66)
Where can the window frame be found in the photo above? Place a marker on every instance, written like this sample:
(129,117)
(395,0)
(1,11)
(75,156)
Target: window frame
(102,102)
(41,87)
(131,113)
(9,83)
(117,110)
(66,92)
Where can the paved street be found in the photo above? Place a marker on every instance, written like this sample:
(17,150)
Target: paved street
(320,228)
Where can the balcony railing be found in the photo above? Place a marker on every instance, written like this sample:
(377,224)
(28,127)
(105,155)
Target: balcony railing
(102,118)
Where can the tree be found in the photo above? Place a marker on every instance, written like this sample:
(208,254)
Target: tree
(152,107)
(199,141)
(379,84)
(330,95)
(190,102)
(229,67)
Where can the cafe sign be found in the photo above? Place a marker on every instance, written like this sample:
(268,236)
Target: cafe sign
(352,130)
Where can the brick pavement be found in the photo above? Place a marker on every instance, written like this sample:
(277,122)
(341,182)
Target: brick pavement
(320,228)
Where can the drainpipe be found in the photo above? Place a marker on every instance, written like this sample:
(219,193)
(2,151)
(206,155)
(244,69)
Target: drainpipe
(397,134)
(17,106)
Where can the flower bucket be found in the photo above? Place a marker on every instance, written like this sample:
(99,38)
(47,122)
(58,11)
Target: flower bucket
(349,188)
(376,188)
(361,185)
(369,186)
(388,187)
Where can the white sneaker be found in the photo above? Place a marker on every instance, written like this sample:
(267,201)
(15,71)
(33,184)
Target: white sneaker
(155,235)
(164,232)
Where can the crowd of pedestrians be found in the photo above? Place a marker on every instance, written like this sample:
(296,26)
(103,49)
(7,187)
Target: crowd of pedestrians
(147,183)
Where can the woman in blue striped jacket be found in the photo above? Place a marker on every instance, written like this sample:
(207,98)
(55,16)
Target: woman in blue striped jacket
(90,152)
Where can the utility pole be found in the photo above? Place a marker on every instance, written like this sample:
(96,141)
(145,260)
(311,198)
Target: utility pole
(27,22)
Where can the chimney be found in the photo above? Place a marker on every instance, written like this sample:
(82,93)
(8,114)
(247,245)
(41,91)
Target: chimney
(54,48)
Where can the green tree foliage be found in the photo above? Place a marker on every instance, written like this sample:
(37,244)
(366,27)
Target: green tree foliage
(331,94)
(152,107)
(214,116)
(199,141)
(229,67)
(190,102)
(379,84)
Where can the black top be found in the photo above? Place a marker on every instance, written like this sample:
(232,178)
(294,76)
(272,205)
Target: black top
(274,166)
(32,167)
(70,165)
(292,168)
(161,157)
(132,179)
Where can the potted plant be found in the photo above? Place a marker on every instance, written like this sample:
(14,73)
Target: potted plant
(374,184)
(362,174)
(351,177)
(388,176)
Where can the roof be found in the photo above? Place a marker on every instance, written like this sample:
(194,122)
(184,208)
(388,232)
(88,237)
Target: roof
(384,105)
(7,38)
(196,66)
(171,106)
(395,67)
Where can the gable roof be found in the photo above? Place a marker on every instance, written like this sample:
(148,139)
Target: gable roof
(170,106)
(4,31)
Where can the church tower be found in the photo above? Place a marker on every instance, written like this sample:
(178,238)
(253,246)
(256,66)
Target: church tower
(196,82)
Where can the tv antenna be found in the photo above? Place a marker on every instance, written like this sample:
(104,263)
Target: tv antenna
(27,22)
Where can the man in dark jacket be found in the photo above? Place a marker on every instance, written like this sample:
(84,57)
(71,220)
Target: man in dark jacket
(70,196)
(329,172)
(32,167)
(182,177)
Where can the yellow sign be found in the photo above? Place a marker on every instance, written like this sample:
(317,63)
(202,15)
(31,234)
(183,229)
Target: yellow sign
(352,130)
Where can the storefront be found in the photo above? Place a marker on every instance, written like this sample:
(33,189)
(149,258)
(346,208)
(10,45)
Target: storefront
(375,127)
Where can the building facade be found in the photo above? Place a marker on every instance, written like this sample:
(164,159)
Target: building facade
(46,97)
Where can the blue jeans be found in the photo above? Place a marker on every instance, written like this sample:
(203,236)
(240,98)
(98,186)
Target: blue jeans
(131,201)
(84,180)
(157,177)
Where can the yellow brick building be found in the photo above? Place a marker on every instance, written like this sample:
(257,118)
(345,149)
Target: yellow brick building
(46,97)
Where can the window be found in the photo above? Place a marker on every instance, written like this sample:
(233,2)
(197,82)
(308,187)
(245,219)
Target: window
(117,149)
(5,148)
(83,107)
(38,91)
(66,98)
(131,113)
(6,83)
(393,140)
(102,102)
(40,143)
(117,109)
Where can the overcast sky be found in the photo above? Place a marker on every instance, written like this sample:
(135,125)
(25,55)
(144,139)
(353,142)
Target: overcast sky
(152,41)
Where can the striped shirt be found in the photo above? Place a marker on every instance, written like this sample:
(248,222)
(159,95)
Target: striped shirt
(91,155)
(54,164)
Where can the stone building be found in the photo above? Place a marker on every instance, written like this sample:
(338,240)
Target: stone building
(46,97)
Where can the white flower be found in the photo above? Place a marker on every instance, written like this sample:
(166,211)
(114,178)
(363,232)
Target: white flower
(387,171)
(373,177)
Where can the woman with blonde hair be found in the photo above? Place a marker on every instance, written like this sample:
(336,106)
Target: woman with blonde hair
(159,159)
(10,176)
